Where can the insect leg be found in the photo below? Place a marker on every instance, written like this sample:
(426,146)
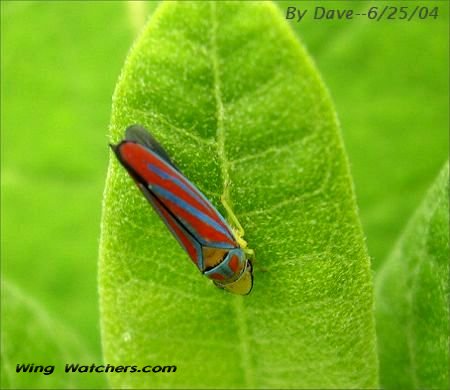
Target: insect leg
(236,225)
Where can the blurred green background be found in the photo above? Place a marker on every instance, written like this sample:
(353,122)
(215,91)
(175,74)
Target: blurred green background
(59,64)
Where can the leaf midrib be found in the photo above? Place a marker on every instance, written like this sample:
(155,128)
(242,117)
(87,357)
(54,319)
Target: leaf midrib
(238,306)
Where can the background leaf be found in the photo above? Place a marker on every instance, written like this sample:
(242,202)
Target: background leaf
(389,81)
(48,343)
(57,78)
(412,299)
(230,93)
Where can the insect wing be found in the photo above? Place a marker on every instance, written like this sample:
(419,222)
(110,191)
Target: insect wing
(188,243)
(184,202)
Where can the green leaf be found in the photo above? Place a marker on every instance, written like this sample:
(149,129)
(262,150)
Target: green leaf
(412,299)
(393,106)
(230,93)
(47,341)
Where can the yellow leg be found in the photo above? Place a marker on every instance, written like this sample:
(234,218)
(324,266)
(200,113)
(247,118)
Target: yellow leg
(239,231)
(233,218)
(250,253)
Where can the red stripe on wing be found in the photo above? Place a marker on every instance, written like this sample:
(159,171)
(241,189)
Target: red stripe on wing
(138,158)
(202,229)
(186,241)
(183,236)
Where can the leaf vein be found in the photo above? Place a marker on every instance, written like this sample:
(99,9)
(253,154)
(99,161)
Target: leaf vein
(274,149)
(225,165)
(292,200)
(182,131)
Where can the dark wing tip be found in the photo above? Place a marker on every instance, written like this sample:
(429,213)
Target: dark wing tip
(115,148)
(137,133)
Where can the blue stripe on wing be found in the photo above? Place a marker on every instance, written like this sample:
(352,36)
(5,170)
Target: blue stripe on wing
(161,192)
(179,183)
(157,207)
(192,190)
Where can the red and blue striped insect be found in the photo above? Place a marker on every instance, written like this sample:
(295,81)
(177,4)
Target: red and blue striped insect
(203,233)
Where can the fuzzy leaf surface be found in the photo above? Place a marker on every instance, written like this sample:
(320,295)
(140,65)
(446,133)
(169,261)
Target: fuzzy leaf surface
(412,299)
(233,97)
